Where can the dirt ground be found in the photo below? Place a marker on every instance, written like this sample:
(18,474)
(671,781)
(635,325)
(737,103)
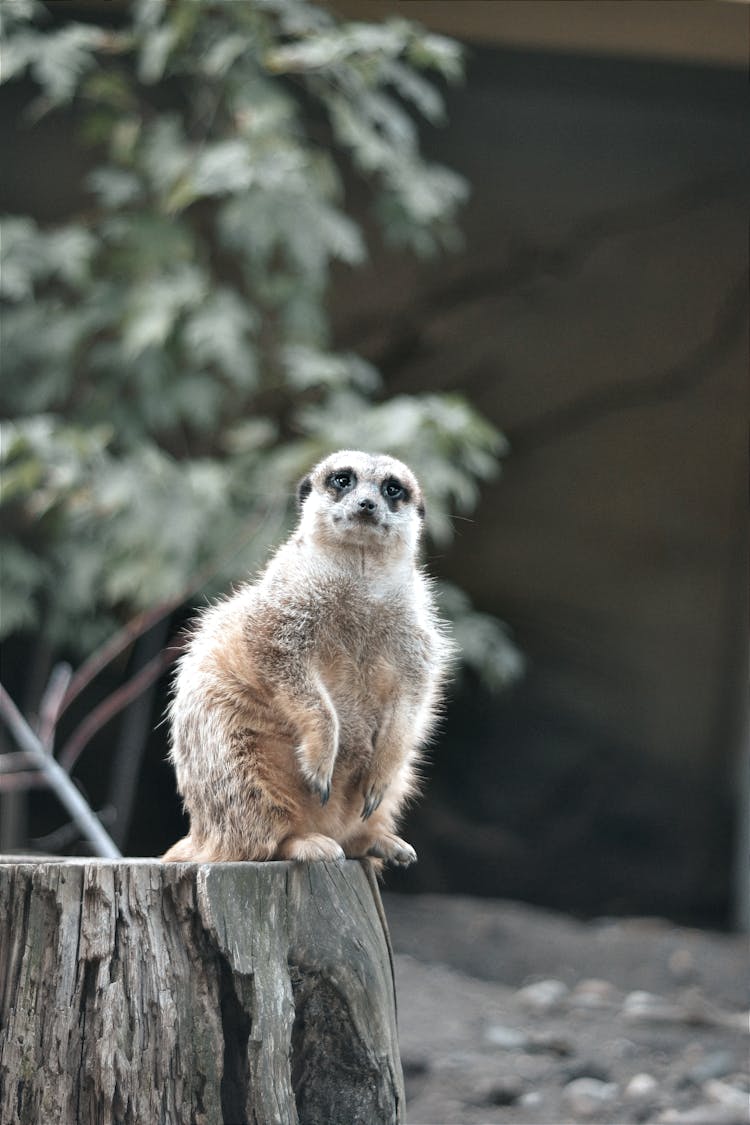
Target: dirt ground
(512,1015)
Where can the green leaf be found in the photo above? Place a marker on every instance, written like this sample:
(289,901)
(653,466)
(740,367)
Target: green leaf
(156,48)
(29,255)
(18,14)
(219,333)
(155,306)
(439,53)
(165,155)
(416,89)
(343,43)
(21,257)
(115,187)
(58,59)
(22,576)
(220,57)
(483,641)
(223,169)
(307,367)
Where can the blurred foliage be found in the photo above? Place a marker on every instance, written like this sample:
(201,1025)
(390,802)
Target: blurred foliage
(168,368)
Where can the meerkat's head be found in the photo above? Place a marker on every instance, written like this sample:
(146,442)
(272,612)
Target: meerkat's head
(362,500)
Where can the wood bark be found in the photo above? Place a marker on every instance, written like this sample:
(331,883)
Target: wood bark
(221,994)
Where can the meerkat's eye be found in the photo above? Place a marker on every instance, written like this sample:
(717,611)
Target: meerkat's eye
(393,490)
(341,481)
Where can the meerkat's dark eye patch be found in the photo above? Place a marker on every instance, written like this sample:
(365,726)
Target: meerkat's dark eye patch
(304,488)
(342,480)
(394,490)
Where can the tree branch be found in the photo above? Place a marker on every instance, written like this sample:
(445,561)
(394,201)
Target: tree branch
(146,620)
(11,763)
(22,781)
(117,644)
(115,703)
(52,702)
(58,780)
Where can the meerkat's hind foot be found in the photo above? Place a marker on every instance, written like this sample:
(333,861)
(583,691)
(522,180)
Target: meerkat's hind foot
(314,846)
(393,850)
(184,851)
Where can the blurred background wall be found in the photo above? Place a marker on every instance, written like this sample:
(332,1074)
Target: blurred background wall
(597,312)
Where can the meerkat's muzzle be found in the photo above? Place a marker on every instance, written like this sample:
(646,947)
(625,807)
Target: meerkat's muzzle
(367,510)
(363,510)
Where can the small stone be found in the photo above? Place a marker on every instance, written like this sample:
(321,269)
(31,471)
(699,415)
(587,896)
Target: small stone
(593,993)
(586,1097)
(543,995)
(714,1065)
(455,1060)
(531,1099)
(641,1087)
(587,1069)
(506,1038)
(414,1066)
(647,1006)
(622,1048)
(726,1094)
(534,1068)
(681,964)
(507,1091)
(709,1114)
(549,1043)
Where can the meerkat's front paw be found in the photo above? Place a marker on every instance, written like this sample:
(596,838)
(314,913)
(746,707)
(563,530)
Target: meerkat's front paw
(318,776)
(320,784)
(393,850)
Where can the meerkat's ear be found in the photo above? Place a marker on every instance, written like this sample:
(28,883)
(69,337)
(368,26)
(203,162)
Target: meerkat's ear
(304,488)
(421,510)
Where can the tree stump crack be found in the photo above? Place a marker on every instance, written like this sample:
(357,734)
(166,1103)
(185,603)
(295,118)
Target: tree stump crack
(236,1029)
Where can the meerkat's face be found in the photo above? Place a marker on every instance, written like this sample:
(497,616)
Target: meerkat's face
(363,500)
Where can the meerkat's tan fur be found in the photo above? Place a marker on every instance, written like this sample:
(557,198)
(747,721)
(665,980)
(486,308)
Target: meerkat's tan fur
(303,700)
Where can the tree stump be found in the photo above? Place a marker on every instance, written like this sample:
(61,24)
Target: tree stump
(140,993)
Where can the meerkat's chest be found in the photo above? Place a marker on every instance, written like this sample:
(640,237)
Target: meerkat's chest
(358,634)
(371,659)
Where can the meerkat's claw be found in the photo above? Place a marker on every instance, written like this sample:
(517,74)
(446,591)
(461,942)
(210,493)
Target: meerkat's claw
(373,798)
(319,784)
(325,793)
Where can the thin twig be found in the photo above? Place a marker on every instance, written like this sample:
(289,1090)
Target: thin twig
(22,781)
(59,781)
(11,763)
(146,619)
(51,705)
(66,834)
(117,644)
(132,736)
(115,702)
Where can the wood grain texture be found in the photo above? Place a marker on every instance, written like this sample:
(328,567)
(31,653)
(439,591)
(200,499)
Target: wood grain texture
(136,991)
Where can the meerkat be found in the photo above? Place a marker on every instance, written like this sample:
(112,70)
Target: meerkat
(303,700)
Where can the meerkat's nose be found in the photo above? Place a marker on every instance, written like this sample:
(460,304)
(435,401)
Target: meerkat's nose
(367,505)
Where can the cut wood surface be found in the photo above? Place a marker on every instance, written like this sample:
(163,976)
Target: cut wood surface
(140,992)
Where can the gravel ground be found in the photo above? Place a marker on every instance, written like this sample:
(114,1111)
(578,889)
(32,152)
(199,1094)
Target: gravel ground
(511,1014)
